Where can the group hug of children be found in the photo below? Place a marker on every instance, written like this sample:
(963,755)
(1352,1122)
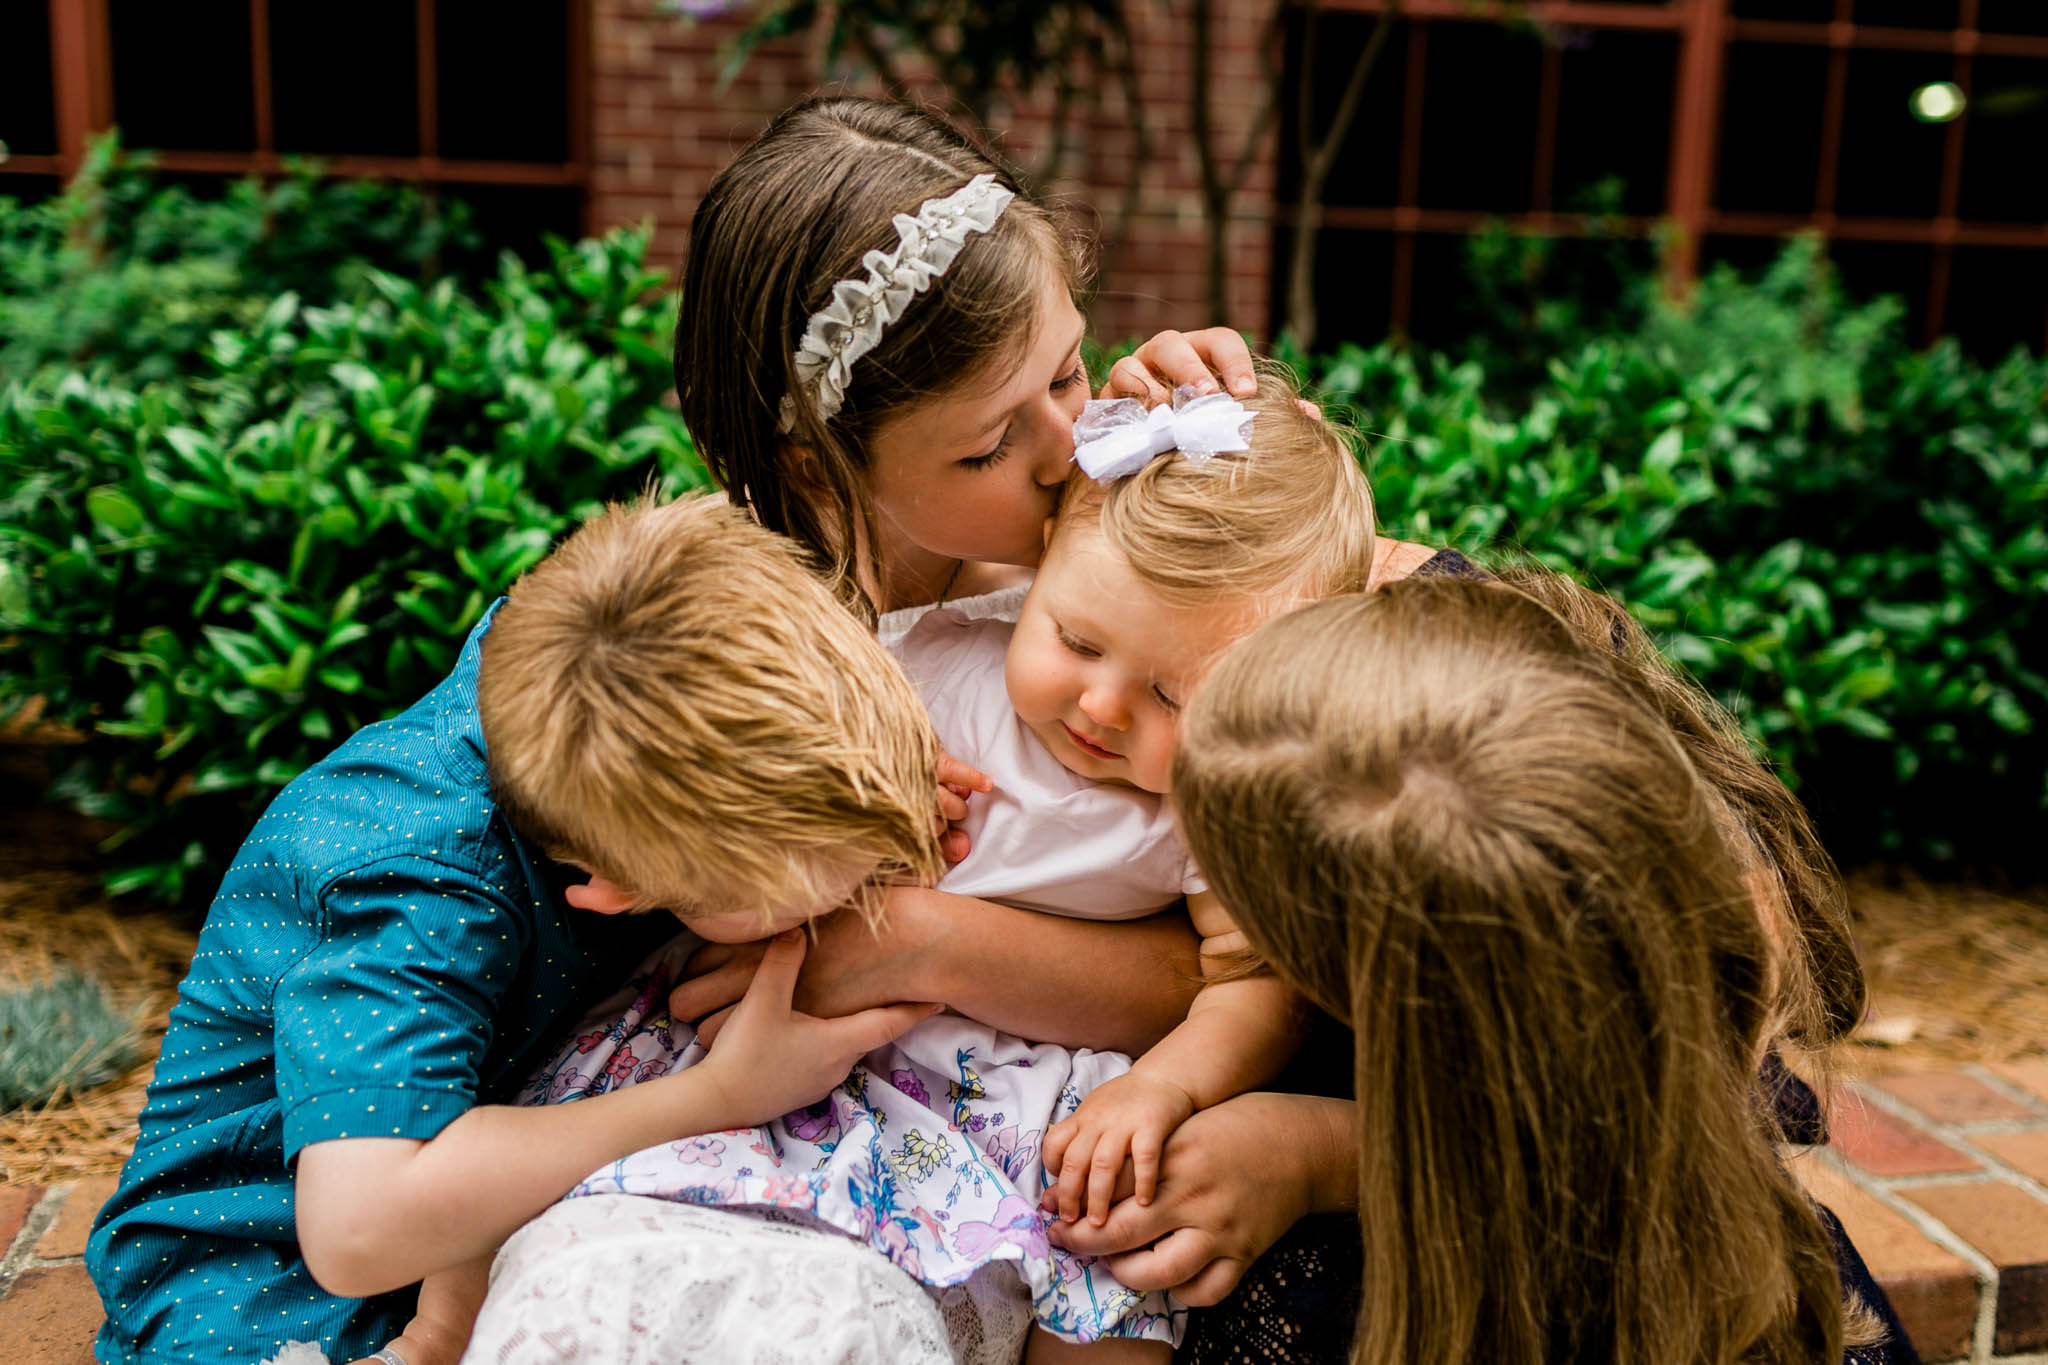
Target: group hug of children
(1095,849)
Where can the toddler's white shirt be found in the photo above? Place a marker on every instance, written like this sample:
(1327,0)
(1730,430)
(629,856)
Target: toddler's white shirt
(1046,838)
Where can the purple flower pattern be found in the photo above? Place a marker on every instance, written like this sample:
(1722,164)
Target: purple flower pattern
(924,1152)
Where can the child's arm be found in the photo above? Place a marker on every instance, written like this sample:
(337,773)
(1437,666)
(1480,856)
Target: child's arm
(1238,1034)
(1121,985)
(440,1326)
(375,1214)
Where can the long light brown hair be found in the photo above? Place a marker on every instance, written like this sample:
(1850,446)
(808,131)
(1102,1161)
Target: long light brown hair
(1821,989)
(1441,815)
(789,217)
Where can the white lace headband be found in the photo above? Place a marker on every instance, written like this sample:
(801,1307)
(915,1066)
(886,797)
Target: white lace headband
(851,325)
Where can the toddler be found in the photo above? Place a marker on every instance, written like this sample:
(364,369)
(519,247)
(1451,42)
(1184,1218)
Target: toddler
(672,699)
(1209,517)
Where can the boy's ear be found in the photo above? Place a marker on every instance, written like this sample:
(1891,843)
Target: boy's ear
(599,896)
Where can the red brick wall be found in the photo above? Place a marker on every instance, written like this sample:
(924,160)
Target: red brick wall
(661,129)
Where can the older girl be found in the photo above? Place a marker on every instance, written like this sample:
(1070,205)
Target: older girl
(916,450)
(1453,821)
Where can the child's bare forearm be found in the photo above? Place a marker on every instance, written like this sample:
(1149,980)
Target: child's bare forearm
(1120,986)
(1238,1036)
(449,1301)
(456,1198)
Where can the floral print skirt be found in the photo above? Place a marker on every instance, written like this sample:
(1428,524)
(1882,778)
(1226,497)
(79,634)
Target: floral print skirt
(928,1151)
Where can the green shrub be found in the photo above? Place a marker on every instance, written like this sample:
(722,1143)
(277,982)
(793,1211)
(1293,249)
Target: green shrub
(123,270)
(59,1037)
(1843,537)
(238,525)
(218,578)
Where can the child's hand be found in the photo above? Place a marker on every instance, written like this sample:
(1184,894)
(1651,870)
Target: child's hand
(770,1058)
(1132,1114)
(1212,360)
(441,1325)
(956,781)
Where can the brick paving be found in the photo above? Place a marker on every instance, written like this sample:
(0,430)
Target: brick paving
(1940,1175)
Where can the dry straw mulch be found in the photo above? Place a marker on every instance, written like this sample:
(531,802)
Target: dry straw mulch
(1957,973)
(53,914)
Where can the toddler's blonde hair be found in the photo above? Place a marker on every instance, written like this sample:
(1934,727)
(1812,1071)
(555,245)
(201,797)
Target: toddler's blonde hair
(1293,514)
(674,700)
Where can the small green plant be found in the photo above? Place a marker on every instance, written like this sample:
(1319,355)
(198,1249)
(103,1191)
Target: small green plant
(59,1037)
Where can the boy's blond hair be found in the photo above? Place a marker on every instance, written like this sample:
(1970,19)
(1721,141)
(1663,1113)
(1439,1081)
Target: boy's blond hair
(1292,513)
(674,701)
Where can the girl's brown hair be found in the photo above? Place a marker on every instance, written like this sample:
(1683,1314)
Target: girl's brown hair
(1443,817)
(791,216)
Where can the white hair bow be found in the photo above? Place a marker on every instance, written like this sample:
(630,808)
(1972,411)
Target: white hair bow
(851,325)
(1118,436)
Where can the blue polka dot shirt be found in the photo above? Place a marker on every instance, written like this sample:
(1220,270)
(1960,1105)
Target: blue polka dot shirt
(383,955)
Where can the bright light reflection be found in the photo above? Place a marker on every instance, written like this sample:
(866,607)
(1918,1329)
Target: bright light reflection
(1936,102)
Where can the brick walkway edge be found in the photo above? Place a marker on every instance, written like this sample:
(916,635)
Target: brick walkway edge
(1940,1176)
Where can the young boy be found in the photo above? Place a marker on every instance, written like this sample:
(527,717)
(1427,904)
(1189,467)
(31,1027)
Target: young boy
(670,703)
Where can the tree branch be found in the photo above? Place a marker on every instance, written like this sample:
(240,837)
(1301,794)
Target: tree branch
(1318,158)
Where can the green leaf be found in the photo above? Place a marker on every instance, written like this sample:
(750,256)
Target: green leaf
(242,650)
(14,598)
(113,511)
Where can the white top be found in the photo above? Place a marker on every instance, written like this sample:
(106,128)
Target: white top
(1046,838)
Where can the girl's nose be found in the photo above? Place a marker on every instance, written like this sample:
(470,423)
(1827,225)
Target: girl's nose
(1104,706)
(1054,434)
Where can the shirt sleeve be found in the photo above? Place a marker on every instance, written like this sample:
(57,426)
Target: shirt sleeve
(382,1028)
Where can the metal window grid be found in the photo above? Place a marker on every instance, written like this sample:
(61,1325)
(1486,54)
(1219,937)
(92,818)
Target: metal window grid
(1704,29)
(81,56)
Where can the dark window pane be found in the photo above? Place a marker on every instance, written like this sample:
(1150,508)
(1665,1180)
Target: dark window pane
(27,189)
(1439,312)
(344,78)
(1908,13)
(503,80)
(1998,299)
(182,78)
(1750,255)
(1354,275)
(1368,166)
(513,218)
(1868,269)
(1813,11)
(28,106)
(2002,147)
(1891,161)
(1479,118)
(1770,127)
(1614,117)
(2012,16)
